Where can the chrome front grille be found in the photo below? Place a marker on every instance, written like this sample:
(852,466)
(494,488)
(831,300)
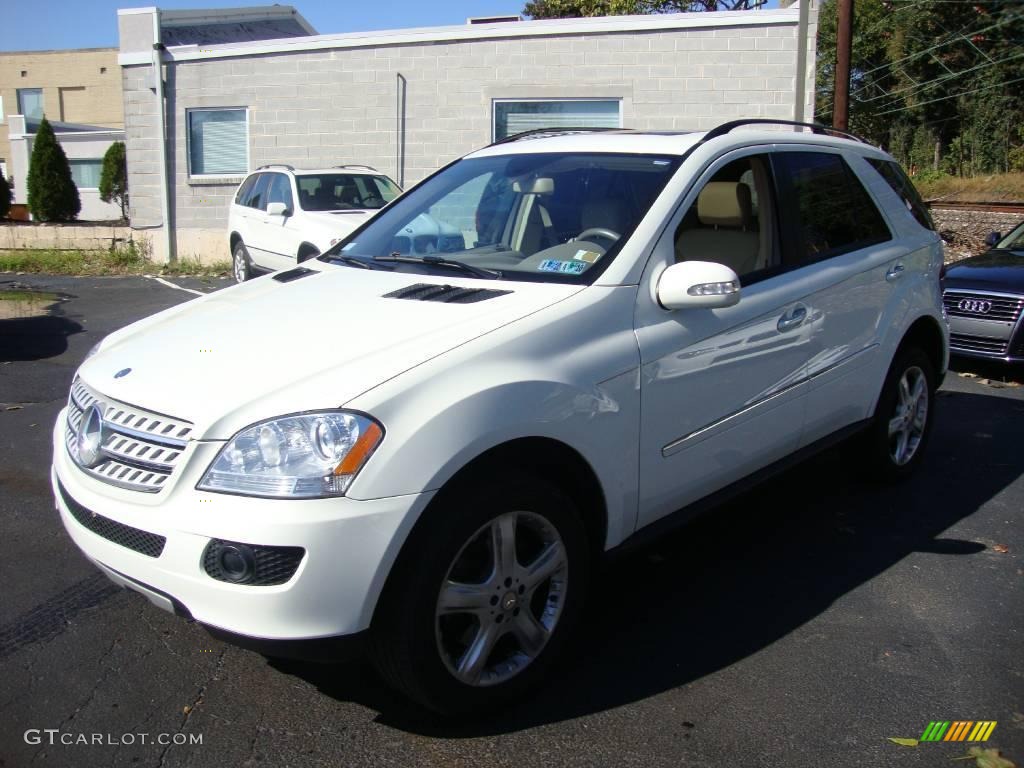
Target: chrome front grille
(139,449)
(983,306)
(962,342)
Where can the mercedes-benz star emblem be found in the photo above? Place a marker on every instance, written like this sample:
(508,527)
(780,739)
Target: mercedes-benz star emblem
(122,373)
(975,306)
(90,436)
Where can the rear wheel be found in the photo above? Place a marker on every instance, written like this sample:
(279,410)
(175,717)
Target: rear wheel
(483,602)
(902,424)
(240,266)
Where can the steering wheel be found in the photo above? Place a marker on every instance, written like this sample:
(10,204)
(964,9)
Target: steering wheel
(600,232)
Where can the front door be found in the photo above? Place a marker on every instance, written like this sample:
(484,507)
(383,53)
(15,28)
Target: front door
(722,390)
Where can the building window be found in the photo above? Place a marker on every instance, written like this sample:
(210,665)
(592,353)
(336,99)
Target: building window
(86,172)
(512,117)
(30,102)
(218,142)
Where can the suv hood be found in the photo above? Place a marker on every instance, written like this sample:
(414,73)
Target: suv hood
(266,348)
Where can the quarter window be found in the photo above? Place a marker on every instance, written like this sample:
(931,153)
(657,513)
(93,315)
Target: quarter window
(890,171)
(829,211)
(512,117)
(218,142)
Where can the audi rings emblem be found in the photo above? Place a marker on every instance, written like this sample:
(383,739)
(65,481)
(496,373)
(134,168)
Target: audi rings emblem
(975,306)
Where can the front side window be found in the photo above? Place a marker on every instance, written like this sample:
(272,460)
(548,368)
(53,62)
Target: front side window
(512,117)
(280,190)
(86,173)
(218,142)
(550,217)
(732,221)
(895,177)
(829,211)
(30,102)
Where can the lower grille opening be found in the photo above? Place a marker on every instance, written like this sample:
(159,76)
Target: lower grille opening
(253,565)
(143,542)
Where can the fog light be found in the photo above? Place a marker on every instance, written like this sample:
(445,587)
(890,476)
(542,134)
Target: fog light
(237,562)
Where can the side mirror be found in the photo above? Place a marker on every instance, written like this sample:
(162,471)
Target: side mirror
(278,209)
(993,238)
(698,285)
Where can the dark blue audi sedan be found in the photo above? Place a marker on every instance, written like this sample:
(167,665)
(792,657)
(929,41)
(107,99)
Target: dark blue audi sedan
(984,297)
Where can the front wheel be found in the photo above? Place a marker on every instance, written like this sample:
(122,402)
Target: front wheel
(240,263)
(899,433)
(485,597)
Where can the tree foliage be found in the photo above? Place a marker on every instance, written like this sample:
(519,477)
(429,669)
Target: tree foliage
(5,197)
(114,177)
(564,9)
(52,194)
(927,75)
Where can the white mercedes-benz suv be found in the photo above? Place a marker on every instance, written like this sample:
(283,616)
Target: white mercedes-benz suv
(281,216)
(436,443)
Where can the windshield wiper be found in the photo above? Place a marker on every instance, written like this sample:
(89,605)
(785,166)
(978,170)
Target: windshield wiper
(352,261)
(440,261)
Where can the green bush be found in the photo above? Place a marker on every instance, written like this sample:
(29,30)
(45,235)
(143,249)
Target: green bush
(114,179)
(52,194)
(5,197)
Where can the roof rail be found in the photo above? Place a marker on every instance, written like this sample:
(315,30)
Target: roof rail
(367,167)
(276,165)
(818,128)
(537,133)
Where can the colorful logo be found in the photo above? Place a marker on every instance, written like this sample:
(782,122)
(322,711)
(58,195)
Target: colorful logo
(958,730)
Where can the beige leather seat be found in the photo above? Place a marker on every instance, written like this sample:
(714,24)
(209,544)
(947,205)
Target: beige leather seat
(726,233)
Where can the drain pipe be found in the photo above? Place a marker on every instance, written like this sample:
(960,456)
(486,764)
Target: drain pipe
(801,61)
(158,85)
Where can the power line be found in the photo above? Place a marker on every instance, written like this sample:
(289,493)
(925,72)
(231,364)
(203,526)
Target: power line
(952,96)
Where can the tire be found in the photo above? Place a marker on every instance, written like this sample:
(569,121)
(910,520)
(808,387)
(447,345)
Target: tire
(495,637)
(241,267)
(897,438)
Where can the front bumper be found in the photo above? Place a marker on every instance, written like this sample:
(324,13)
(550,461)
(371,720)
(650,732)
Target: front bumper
(349,546)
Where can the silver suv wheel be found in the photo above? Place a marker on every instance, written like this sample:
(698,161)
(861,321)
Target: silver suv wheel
(501,599)
(908,422)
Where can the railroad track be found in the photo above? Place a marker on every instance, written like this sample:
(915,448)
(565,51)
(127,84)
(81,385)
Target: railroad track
(992,207)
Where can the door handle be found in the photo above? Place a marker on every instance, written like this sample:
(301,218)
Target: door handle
(791,320)
(895,272)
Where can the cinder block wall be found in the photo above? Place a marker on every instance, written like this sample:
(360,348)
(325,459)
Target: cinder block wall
(327,107)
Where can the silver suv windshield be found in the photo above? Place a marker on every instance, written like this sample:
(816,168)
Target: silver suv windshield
(344,191)
(552,217)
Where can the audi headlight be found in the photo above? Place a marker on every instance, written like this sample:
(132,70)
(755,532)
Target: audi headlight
(297,457)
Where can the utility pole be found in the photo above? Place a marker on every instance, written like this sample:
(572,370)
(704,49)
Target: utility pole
(844,45)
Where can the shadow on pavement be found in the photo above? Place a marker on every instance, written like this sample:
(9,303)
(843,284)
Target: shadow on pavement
(32,325)
(745,575)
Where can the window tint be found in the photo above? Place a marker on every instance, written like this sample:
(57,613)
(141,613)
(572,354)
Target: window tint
(280,190)
(890,171)
(343,191)
(242,196)
(829,211)
(732,220)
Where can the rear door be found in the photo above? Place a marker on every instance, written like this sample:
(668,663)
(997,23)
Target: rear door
(839,244)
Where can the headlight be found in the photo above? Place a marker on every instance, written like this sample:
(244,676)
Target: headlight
(297,457)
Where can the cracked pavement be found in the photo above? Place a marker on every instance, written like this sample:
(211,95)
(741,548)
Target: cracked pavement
(802,624)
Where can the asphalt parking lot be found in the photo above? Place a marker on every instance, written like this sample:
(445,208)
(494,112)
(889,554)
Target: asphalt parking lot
(802,625)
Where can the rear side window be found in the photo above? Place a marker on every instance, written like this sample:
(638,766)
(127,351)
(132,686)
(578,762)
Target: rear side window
(242,196)
(890,171)
(828,210)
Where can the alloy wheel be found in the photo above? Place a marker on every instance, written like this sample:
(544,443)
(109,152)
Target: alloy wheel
(907,424)
(501,599)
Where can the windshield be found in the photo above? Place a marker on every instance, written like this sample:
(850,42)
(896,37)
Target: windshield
(344,191)
(1013,241)
(552,217)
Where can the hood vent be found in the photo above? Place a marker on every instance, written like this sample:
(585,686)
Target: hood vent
(448,294)
(293,274)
